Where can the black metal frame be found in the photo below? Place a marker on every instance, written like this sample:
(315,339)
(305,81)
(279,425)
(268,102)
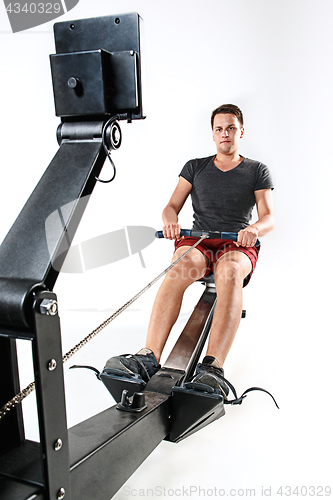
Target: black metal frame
(27,281)
(94,458)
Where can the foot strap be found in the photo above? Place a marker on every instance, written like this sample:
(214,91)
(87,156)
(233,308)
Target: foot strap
(239,400)
(120,373)
(88,368)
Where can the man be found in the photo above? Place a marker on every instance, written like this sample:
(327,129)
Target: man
(224,189)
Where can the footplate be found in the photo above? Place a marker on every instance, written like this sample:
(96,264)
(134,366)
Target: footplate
(193,409)
(117,383)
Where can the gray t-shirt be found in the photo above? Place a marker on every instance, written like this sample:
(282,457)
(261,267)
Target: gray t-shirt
(224,201)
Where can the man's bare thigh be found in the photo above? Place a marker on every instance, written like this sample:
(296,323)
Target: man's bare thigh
(194,261)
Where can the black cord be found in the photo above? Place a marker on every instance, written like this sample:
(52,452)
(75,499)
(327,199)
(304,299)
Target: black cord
(114,171)
(108,154)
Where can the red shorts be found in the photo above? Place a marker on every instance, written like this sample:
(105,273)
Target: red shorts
(214,249)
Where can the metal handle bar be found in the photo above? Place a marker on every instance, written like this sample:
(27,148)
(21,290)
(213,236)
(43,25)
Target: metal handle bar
(213,235)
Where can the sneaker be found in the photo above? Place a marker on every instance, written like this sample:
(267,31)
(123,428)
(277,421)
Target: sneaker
(209,373)
(142,364)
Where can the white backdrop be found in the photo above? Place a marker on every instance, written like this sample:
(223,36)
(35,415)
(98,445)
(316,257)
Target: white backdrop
(274,59)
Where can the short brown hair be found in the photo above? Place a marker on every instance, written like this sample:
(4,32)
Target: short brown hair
(228,109)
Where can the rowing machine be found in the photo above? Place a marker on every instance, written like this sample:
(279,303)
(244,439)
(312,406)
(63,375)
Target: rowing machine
(191,409)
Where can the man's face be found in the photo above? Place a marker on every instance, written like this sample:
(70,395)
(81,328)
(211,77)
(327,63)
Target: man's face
(227,131)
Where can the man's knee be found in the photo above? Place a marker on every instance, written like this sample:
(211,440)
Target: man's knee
(230,272)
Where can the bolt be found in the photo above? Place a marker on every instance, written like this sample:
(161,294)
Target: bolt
(52,365)
(49,307)
(61,494)
(72,82)
(58,445)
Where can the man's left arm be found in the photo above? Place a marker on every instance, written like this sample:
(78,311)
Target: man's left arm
(264,200)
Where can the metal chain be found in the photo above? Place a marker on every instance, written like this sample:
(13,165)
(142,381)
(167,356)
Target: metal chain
(16,400)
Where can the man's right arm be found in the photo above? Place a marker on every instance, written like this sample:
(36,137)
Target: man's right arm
(171,228)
